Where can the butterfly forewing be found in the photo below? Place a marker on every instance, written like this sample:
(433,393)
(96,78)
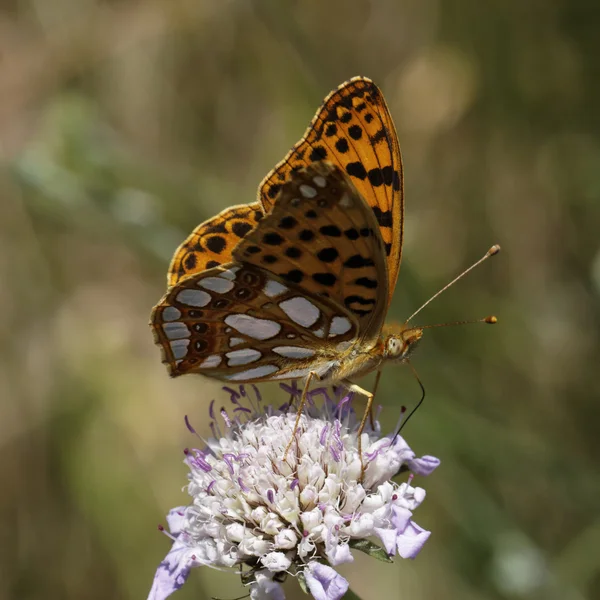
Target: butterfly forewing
(322,236)
(354,130)
(212,242)
(238,322)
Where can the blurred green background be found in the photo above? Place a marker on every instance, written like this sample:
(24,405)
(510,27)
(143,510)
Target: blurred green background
(125,123)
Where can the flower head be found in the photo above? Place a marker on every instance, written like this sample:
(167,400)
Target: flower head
(298,515)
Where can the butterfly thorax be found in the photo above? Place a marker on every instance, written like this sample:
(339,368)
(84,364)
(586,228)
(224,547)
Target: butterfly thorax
(395,344)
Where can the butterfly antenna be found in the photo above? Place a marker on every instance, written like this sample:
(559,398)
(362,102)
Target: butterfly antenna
(491,320)
(491,252)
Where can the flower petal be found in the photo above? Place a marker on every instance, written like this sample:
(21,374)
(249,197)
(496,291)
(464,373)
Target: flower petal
(266,589)
(176,520)
(338,554)
(388,537)
(276,561)
(424,465)
(172,572)
(324,583)
(411,540)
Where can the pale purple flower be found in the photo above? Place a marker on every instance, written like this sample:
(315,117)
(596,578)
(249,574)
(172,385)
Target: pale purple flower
(297,516)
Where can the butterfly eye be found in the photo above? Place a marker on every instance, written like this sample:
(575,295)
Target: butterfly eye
(394,346)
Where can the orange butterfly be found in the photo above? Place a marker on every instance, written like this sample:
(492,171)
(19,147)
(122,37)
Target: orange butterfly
(297,285)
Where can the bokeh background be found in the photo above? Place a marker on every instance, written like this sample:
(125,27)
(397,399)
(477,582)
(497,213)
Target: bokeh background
(125,123)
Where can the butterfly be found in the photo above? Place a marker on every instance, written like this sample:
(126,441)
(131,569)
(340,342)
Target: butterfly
(297,285)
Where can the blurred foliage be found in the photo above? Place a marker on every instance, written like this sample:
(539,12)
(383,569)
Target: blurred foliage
(124,123)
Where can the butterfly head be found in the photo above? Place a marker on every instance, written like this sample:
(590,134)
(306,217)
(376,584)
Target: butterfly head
(400,342)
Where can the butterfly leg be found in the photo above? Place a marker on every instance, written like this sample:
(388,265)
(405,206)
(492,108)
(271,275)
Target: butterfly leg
(352,387)
(377,378)
(300,409)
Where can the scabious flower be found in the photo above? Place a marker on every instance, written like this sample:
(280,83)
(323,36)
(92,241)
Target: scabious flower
(300,515)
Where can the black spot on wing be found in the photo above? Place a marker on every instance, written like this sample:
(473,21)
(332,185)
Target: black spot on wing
(327,279)
(318,153)
(380,135)
(272,239)
(293,276)
(384,217)
(288,222)
(357,261)
(355,132)
(375,177)
(342,145)
(292,252)
(216,244)
(356,169)
(331,230)
(190,261)
(273,191)
(366,282)
(240,228)
(327,255)
(388,175)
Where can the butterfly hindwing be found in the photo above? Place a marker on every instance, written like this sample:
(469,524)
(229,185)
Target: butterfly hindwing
(354,130)
(212,242)
(322,236)
(240,323)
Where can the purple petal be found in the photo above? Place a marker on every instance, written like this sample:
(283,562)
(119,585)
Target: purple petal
(324,583)
(388,538)
(400,518)
(172,572)
(411,540)
(424,465)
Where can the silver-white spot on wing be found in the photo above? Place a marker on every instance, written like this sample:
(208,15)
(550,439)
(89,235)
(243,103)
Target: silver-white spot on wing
(210,362)
(320,333)
(229,273)
(253,327)
(179,348)
(294,351)
(295,374)
(193,297)
(301,311)
(255,373)
(320,181)
(274,288)
(339,325)
(176,331)
(244,356)
(307,191)
(235,341)
(170,313)
(220,285)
